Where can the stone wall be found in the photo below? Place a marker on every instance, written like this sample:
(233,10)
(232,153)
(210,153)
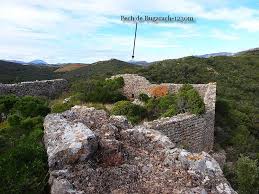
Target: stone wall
(46,88)
(134,85)
(192,131)
(184,130)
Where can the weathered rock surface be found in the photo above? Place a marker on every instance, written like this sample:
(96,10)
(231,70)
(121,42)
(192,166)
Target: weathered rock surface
(67,142)
(127,160)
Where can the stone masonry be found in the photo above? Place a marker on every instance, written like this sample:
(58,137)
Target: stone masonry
(191,131)
(46,88)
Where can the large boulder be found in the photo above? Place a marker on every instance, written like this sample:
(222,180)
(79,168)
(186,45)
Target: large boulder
(67,142)
(102,154)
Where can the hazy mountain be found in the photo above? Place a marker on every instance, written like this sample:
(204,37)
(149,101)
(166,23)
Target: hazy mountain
(142,63)
(254,51)
(38,62)
(216,54)
(16,61)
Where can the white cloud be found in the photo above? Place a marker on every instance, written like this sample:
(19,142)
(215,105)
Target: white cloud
(65,29)
(250,25)
(218,34)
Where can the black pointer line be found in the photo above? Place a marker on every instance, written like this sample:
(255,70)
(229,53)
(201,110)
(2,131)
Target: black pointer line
(134,40)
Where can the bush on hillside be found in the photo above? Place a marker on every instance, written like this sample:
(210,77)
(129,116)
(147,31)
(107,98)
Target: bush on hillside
(163,106)
(23,160)
(171,111)
(143,97)
(185,88)
(7,102)
(103,91)
(133,112)
(189,100)
(14,120)
(247,172)
(23,168)
(186,100)
(30,106)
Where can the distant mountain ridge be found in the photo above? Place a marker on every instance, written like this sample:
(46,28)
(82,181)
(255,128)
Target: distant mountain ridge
(34,62)
(254,51)
(142,63)
(216,54)
(11,72)
(38,62)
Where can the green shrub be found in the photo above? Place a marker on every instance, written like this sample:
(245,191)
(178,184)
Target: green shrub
(195,102)
(163,106)
(7,102)
(185,88)
(152,109)
(23,169)
(23,160)
(30,106)
(171,111)
(143,97)
(14,120)
(247,171)
(186,100)
(189,100)
(30,123)
(121,107)
(165,102)
(230,174)
(133,112)
(103,91)
(3,143)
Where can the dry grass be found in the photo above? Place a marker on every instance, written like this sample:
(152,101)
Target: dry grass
(69,67)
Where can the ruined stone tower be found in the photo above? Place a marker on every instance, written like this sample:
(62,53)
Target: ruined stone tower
(195,132)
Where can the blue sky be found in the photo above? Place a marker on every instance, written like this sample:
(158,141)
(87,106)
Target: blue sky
(91,30)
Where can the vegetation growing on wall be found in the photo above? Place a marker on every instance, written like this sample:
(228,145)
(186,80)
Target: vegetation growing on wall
(143,97)
(186,100)
(134,113)
(104,91)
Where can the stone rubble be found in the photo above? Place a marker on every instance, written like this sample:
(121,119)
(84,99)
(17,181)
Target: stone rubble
(90,152)
(46,88)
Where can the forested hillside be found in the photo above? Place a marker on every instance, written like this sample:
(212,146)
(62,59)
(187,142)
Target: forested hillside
(101,69)
(14,72)
(237,105)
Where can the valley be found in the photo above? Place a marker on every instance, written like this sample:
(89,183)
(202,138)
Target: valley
(236,118)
